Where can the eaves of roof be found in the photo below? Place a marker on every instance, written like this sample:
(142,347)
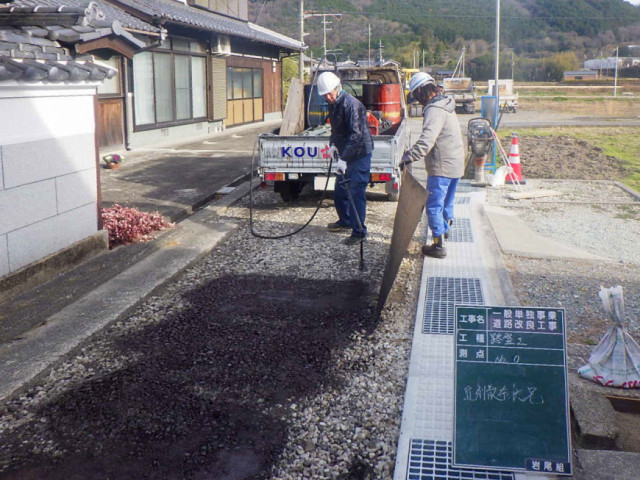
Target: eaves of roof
(110,11)
(174,12)
(36,38)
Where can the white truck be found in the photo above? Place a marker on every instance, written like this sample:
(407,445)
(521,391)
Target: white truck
(462,90)
(293,161)
(508,98)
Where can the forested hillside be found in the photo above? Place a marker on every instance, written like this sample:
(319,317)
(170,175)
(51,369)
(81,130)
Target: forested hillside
(435,30)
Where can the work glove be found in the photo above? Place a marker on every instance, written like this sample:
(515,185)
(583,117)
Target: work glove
(406,160)
(341,166)
(333,152)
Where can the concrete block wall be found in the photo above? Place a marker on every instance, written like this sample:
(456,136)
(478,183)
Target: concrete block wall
(48,178)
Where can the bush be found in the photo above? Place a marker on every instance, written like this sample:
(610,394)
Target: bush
(129,225)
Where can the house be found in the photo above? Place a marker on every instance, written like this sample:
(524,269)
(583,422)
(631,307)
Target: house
(207,71)
(78,77)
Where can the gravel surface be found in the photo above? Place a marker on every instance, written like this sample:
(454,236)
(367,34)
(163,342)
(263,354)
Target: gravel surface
(255,363)
(258,362)
(594,214)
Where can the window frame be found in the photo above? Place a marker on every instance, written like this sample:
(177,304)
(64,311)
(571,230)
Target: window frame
(168,49)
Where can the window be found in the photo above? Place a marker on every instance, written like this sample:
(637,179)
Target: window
(111,86)
(170,84)
(244,83)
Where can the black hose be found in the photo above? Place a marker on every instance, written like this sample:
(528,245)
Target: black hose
(277,237)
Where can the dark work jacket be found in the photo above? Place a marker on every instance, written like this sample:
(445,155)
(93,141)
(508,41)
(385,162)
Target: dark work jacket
(349,130)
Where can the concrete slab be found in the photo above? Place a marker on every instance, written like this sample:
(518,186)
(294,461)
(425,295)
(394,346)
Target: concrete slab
(606,465)
(595,418)
(517,238)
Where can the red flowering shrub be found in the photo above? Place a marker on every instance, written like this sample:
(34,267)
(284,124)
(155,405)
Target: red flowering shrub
(129,225)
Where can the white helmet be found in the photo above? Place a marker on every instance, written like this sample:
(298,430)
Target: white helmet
(327,81)
(420,79)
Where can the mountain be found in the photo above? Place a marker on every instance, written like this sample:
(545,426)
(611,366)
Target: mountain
(438,29)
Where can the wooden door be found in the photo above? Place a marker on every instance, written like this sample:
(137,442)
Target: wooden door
(111,123)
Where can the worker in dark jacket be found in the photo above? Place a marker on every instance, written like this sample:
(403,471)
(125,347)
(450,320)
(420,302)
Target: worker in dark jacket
(440,146)
(351,144)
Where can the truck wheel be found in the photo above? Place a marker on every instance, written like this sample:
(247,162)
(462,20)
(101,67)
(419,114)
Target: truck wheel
(290,191)
(392,197)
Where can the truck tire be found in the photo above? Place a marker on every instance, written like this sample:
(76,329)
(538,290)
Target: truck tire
(289,191)
(392,197)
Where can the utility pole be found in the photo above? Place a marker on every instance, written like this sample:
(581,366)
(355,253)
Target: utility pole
(324,25)
(369,44)
(380,49)
(513,66)
(301,61)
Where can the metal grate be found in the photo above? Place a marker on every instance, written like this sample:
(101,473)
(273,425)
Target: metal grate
(431,460)
(466,188)
(442,294)
(461,200)
(461,231)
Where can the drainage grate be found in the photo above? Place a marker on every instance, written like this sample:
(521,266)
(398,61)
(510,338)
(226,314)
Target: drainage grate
(431,460)
(442,295)
(461,231)
(461,200)
(466,188)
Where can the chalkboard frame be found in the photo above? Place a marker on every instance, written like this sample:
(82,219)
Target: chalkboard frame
(552,439)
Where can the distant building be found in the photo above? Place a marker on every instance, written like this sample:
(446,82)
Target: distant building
(610,63)
(581,75)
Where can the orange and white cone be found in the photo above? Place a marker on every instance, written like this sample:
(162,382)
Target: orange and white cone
(514,161)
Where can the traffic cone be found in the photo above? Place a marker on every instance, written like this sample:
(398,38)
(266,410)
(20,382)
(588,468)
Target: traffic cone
(514,161)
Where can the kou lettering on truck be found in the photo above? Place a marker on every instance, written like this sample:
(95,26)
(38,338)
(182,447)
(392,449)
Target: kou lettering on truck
(304,152)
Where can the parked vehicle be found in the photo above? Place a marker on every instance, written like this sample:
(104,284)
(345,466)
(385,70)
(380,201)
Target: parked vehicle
(461,88)
(291,162)
(508,98)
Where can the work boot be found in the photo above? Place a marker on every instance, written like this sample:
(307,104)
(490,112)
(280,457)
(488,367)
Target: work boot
(354,239)
(446,234)
(337,227)
(436,249)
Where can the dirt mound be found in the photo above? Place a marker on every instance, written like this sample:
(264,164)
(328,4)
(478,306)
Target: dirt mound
(565,158)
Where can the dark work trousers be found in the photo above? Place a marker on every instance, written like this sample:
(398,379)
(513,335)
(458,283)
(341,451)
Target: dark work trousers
(358,173)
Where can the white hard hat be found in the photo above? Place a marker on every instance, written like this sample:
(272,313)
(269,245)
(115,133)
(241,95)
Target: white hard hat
(327,81)
(420,79)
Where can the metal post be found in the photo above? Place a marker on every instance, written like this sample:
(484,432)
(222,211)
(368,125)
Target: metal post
(301,60)
(615,77)
(496,87)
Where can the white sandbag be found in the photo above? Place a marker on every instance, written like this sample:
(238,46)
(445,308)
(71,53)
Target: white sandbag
(498,178)
(615,361)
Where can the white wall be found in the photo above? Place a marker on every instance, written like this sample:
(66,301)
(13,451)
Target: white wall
(48,178)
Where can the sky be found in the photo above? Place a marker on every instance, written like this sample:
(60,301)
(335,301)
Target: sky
(634,2)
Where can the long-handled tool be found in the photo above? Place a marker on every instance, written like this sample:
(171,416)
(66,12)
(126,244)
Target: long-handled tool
(344,183)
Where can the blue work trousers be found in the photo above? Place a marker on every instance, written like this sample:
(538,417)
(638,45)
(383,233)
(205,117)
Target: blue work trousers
(358,175)
(442,191)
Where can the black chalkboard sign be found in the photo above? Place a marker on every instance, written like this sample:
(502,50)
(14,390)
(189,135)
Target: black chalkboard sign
(511,403)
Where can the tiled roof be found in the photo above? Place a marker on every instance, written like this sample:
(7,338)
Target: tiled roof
(35,40)
(111,12)
(176,12)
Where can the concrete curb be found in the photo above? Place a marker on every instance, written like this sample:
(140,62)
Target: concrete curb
(516,238)
(26,359)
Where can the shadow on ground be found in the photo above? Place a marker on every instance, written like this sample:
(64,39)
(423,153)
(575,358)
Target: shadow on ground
(206,391)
